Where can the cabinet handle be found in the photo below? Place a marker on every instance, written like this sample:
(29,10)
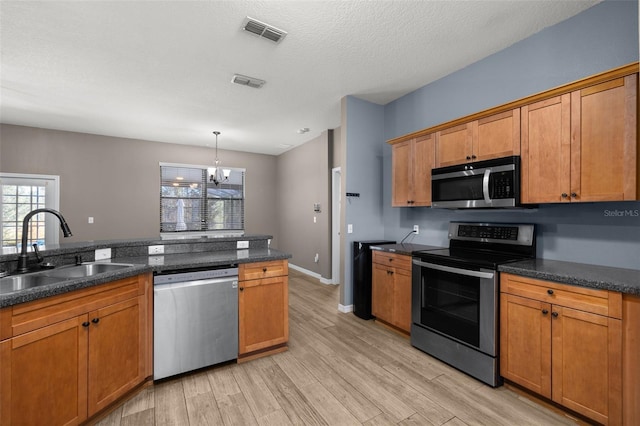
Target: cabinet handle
(85,324)
(390,259)
(549,291)
(574,195)
(241,288)
(473,157)
(468,158)
(264,270)
(95,320)
(564,195)
(545,312)
(554,314)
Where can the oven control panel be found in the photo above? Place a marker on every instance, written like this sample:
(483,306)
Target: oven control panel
(500,233)
(488,232)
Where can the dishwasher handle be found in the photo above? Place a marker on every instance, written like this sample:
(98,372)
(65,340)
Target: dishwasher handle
(196,283)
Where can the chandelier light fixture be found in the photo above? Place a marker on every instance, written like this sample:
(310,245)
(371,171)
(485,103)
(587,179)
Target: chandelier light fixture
(217,174)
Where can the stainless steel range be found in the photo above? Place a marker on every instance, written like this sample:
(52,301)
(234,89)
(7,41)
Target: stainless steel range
(455,294)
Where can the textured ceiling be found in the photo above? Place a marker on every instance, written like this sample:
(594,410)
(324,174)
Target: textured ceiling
(161,70)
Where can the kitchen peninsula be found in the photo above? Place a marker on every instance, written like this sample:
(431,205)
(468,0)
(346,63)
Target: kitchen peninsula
(64,331)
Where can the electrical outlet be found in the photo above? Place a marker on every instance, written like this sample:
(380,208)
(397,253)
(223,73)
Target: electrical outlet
(102,254)
(349,229)
(242,244)
(416,229)
(317,258)
(156,249)
(156,260)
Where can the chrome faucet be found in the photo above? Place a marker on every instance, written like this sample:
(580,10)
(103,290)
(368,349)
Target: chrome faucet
(22,259)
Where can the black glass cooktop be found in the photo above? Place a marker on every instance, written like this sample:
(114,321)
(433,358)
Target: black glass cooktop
(462,257)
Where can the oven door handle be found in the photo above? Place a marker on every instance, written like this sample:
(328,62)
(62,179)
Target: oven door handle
(485,186)
(477,274)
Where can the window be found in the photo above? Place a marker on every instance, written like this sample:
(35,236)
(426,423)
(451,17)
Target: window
(190,203)
(21,194)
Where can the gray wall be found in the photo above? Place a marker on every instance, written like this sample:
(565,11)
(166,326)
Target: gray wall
(117,180)
(363,122)
(303,178)
(603,37)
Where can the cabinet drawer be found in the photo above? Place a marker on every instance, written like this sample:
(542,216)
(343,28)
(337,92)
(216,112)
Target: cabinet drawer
(392,259)
(259,270)
(601,302)
(39,313)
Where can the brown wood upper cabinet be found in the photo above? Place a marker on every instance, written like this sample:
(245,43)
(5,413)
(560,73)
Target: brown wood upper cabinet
(490,137)
(412,161)
(582,146)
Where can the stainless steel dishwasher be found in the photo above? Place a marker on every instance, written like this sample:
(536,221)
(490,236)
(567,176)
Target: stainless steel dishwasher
(195,320)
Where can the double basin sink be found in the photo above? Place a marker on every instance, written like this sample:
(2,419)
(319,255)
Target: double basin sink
(16,283)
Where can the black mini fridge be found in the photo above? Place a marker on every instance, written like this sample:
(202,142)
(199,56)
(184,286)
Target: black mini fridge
(362,276)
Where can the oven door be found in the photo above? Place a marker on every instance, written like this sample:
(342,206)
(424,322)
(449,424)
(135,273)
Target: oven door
(457,302)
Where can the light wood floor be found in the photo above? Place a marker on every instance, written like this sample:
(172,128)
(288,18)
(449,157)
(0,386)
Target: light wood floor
(338,370)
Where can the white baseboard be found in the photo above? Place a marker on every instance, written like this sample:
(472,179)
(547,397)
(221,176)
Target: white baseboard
(311,273)
(345,309)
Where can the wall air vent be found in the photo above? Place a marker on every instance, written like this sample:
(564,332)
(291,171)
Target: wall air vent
(260,29)
(243,80)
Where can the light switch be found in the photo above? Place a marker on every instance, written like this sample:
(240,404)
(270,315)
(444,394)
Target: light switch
(90,219)
(349,229)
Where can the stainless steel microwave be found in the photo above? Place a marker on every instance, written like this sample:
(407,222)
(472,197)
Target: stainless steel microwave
(482,184)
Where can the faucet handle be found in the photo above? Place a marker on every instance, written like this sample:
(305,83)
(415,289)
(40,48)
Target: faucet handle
(41,262)
(37,252)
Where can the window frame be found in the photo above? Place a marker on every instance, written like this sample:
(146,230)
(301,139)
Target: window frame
(201,233)
(52,200)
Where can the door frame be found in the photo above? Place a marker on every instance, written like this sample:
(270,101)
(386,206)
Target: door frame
(336,207)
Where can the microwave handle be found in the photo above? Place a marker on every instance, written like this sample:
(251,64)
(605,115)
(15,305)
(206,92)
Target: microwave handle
(485,186)
(459,271)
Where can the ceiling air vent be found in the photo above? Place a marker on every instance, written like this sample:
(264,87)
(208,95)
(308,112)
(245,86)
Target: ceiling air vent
(260,29)
(243,80)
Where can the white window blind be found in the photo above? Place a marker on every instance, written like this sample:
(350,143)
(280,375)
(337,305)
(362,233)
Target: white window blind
(189,202)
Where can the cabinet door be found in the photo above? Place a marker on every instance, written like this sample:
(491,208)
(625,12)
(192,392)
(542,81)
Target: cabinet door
(454,145)
(603,159)
(525,342)
(546,150)
(263,310)
(587,364)
(43,375)
(498,136)
(402,299)
(116,352)
(382,293)
(423,162)
(401,174)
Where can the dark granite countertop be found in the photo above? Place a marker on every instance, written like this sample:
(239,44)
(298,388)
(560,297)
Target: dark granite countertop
(133,244)
(406,248)
(580,274)
(144,264)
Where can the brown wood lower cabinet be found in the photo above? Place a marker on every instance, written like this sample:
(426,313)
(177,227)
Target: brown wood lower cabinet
(564,343)
(263,306)
(66,357)
(391,289)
